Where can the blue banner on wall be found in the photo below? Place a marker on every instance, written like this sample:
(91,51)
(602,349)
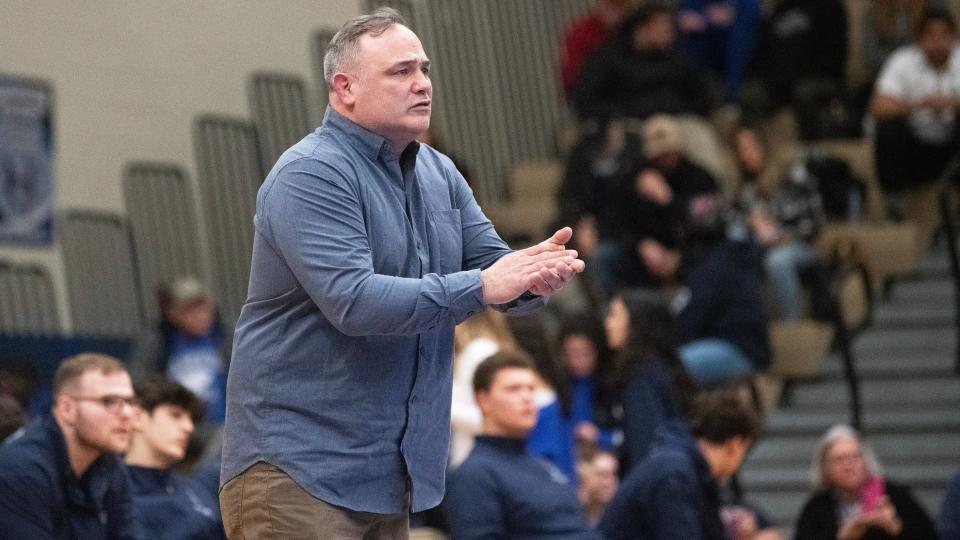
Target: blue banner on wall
(26,161)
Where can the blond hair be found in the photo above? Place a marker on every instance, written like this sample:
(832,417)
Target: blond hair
(72,368)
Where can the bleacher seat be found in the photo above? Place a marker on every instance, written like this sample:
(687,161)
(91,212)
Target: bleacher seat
(533,202)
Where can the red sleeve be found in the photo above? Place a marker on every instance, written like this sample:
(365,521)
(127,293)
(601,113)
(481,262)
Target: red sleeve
(582,39)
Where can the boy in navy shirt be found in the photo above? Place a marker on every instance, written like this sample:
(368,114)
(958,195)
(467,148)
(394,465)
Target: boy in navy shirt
(500,491)
(170,506)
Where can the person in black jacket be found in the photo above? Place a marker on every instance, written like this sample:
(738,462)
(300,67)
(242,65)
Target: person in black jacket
(674,492)
(801,62)
(62,477)
(658,202)
(853,501)
(597,180)
(639,72)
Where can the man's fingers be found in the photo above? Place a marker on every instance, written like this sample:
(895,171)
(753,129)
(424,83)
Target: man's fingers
(538,285)
(565,271)
(548,257)
(578,266)
(542,247)
(551,278)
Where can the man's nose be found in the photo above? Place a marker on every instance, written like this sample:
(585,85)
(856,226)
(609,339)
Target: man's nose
(421,83)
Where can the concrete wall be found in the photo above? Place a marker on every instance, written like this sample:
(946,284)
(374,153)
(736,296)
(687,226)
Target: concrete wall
(130,75)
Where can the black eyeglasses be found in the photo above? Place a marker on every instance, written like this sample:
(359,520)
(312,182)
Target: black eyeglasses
(112,403)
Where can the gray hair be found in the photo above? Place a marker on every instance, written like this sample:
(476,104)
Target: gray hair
(342,50)
(818,472)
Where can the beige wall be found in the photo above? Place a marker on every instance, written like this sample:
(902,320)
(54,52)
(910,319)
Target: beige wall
(130,75)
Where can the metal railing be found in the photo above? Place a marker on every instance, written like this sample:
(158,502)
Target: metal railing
(946,203)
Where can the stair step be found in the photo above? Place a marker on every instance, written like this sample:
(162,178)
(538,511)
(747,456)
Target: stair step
(879,365)
(916,340)
(908,391)
(889,447)
(932,475)
(928,419)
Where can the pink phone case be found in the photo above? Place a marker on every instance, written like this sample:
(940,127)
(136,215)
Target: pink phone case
(872,493)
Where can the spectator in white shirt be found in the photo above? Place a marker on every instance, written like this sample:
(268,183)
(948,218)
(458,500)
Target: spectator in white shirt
(915,105)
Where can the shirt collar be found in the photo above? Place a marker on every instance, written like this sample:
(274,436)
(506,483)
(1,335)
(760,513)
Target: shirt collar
(371,144)
(517,446)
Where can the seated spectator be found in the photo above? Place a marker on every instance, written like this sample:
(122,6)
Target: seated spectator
(663,190)
(801,63)
(191,347)
(852,500)
(948,524)
(474,340)
(719,36)
(585,35)
(18,379)
(721,319)
(584,362)
(785,222)
(648,376)
(597,472)
(62,478)
(915,105)
(571,409)
(12,417)
(188,346)
(500,491)
(599,176)
(169,505)
(639,73)
(674,492)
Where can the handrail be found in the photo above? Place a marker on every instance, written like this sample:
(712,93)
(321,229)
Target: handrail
(951,172)
(844,336)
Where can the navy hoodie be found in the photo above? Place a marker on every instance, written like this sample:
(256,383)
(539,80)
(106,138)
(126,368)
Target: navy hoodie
(726,300)
(42,499)
(174,507)
(670,495)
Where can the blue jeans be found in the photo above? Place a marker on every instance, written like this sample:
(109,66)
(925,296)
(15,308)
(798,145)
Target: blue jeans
(784,265)
(713,361)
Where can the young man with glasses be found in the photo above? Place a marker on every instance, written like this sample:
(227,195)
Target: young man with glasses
(62,477)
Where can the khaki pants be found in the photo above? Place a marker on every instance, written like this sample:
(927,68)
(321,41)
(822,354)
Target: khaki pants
(263,502)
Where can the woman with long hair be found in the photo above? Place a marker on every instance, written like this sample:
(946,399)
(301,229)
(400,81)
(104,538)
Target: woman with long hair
(648,375)
(853,500)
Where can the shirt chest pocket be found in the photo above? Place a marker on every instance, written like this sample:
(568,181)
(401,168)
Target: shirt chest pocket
(446,241)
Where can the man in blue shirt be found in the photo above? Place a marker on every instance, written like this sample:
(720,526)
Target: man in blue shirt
(169,505)
(369,248)
(61,478)
(500,491)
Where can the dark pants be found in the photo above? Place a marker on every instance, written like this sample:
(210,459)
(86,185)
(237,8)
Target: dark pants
(904,161)
(263,502)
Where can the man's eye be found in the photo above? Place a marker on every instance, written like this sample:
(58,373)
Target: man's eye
(403,71)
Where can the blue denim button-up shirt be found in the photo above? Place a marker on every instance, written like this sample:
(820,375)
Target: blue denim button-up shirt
(362,265)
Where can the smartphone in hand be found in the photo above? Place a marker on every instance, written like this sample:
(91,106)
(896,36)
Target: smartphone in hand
(873,491)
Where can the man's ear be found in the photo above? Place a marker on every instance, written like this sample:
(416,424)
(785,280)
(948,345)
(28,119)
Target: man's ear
(481,399)
(65,408)
(139,419)
(343,88)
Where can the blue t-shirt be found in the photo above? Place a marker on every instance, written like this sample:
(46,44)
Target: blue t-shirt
(196,364)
